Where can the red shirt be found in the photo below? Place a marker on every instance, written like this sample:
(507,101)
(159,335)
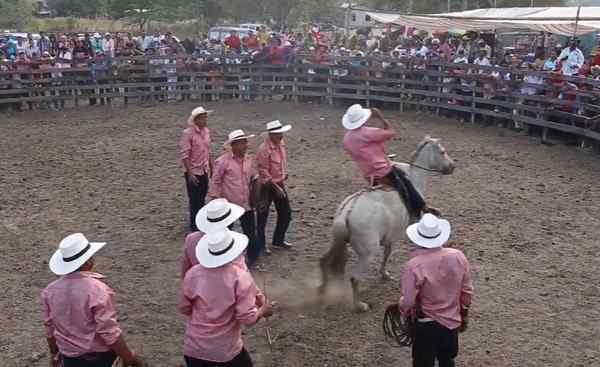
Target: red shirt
(366,146)
(271,161)
(276,55)
(251,42)
(189,258)
(79,312)
(233,42)
(218,302)
(231,179)
(441,278)
(194,145)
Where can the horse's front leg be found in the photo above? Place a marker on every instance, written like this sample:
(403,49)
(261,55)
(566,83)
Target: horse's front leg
(359,306)
(387,250)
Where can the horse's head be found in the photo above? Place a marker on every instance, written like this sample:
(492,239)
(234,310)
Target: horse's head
(431,156)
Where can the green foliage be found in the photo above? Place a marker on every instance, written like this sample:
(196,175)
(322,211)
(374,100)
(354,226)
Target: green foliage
(76,8)
(15,14)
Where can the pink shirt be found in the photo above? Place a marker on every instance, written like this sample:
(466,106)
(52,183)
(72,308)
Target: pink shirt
(218,302)
(79,312)
(442,280)
(271,161)
(231,179)
(366,146)
(195,146)
(189,252)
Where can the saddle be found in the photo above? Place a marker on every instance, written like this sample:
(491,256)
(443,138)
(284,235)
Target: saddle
(412,198)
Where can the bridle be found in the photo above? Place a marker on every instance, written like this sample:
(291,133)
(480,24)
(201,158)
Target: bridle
(417,152)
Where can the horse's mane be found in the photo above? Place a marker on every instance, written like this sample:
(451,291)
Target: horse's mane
(420,147)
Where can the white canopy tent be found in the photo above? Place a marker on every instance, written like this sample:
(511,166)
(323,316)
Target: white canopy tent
(567,21)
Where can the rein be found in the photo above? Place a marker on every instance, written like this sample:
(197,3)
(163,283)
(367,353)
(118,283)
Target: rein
(417,152)
(426,169)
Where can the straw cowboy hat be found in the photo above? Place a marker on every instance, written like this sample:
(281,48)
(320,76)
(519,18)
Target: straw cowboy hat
(277,127)
(220,248)
(355,117)
(197,112)
(430,232)
(237,135)
(73,251)
(217,215)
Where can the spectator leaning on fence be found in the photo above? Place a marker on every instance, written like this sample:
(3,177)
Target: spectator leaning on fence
(572,58)
(108,45)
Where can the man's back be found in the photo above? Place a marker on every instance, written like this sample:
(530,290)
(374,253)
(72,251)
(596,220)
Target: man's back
(79,312)
(366,146)
(441,278)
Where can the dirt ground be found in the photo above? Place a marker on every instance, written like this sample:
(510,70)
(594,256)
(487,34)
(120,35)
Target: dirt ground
(526,214)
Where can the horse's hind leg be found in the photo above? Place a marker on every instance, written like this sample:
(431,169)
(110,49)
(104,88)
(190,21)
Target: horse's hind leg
(359,273)
(387,250)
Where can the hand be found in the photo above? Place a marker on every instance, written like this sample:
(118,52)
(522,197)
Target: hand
(55,360)
(135,361)
(464,325)
(279,193)
(376,112)
(192,179)
(267,310)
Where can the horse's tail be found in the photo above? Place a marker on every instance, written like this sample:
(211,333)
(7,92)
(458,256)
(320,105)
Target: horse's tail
(333,263)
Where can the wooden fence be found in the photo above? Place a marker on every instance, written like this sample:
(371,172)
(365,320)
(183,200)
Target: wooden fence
(549,103)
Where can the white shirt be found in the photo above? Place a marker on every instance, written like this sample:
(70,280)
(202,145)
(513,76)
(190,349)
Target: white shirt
(574,60)
(108,47)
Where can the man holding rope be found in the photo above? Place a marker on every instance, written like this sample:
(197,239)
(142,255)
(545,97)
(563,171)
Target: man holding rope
(436,293)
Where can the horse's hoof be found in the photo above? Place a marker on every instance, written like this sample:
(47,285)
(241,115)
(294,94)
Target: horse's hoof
(321,290)
(386,276)
(361,307)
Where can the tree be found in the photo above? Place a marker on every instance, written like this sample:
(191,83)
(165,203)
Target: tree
(15,14)
(76,8)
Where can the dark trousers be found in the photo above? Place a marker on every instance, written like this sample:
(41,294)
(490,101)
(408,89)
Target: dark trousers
(105,359)
(434,341)
(411,196)
(241,360)
(248,223)
(197,196)
(284,217)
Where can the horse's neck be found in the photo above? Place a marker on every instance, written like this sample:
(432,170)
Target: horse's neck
(418,177)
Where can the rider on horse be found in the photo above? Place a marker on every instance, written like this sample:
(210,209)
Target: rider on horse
(366,146)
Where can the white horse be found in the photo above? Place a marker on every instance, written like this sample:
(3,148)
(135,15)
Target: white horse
(378,217)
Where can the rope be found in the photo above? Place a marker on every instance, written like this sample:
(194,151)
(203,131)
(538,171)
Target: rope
(397,327)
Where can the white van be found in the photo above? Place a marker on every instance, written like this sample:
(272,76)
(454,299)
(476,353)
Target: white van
(220,33)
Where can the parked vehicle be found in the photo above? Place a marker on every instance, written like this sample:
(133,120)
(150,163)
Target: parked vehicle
(221,32)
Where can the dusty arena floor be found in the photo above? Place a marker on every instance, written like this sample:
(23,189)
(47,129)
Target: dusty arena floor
(526,214)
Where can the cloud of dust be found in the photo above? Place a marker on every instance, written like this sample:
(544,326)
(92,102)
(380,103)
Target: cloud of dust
(303,293)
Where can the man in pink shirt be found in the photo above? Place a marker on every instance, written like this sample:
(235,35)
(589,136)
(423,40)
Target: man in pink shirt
(231,180)
(216,216)
(195,156)
(219,297)
(271,161)
(79,310)
(437,291)
(366,146)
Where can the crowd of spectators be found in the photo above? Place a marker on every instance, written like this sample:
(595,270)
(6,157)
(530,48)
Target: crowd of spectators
(392,50)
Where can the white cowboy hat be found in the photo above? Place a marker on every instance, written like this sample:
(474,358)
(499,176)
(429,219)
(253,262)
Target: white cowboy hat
(238,135)
(218,215)
(73,251)
(276,127)
(430,232)
(97,35)
(196,112)
(355,117)
(220,248)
